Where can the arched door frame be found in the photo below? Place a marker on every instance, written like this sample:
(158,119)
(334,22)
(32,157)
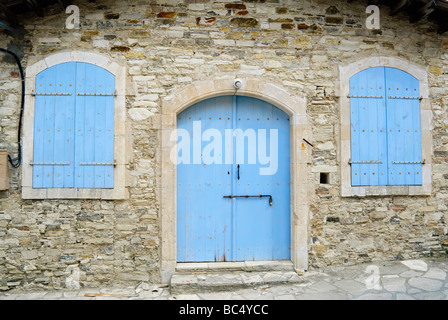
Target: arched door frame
(301,189)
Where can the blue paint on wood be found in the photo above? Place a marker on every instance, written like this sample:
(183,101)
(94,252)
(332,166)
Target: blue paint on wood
(52,121)
(74,123)
(204,218)
(262,231)
(80,125)
(88,123)
(69,128)
(404,129)
(385,128)
(368,128)
(210,227)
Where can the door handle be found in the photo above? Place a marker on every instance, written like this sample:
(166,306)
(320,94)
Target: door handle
(238,167)
(256,196)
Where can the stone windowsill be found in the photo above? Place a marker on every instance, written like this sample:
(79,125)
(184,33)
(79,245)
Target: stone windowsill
(118,193)
(349,191)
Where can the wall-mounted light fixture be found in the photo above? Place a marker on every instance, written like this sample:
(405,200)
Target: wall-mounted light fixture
(237,83)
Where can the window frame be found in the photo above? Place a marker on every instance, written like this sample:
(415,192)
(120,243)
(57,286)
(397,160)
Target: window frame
(421,74)
(120,190)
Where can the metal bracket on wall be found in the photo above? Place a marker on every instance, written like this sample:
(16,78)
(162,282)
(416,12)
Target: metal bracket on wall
(308,142)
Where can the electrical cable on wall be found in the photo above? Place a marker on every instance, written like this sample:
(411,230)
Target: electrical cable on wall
(16,161)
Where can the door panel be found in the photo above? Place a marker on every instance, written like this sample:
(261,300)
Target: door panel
(261,230)
(203,219)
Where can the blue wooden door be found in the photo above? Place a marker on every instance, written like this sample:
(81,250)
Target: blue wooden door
(233,187)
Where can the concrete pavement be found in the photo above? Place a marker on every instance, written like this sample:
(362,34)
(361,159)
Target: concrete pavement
(398,280)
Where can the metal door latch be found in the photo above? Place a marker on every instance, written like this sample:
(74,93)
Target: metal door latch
(256,196)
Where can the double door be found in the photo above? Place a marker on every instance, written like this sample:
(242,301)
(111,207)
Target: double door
(233,181)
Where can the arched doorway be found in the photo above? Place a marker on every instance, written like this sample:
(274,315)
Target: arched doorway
(233,181)
(301,189)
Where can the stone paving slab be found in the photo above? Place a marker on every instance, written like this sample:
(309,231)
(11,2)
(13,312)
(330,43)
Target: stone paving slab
(416,280)
(229,281)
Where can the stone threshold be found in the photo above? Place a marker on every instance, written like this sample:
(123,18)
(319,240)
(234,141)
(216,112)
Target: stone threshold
(230,276)
(247,266)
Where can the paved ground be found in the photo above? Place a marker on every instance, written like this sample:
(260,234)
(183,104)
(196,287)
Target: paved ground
(407,280)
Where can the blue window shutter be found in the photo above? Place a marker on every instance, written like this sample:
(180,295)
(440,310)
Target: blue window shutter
(95,125)
(53,128)
(368,128)
(404,128)
(74,127)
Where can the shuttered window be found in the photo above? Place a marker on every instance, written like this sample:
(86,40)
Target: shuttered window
(74,127)
(385,128)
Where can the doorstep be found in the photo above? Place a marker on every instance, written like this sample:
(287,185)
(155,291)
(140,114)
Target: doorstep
(230,276)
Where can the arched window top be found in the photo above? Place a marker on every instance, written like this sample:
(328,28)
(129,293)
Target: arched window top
(75,78)
(384,82)
(61,66)
(397,71)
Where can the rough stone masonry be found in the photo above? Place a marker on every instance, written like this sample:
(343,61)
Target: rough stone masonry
(167,45)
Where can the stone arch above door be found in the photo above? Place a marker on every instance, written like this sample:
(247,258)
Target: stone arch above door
(272,93)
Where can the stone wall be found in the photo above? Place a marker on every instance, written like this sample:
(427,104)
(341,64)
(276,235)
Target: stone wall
(168,45)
